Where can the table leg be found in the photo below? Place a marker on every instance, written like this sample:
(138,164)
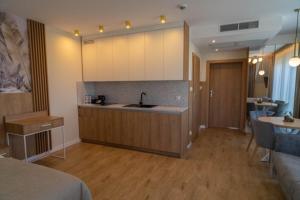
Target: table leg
(25,148)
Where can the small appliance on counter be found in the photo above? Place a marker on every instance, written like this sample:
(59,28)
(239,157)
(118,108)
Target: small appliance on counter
(100,99)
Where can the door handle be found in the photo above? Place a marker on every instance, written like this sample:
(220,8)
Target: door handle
(210,93)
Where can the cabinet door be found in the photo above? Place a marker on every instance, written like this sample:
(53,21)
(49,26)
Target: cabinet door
(120,58)
(88,121)
(136,57)
(105,59)
(173,54)
(154,67)
(89,60)
(165,131)
(137,129)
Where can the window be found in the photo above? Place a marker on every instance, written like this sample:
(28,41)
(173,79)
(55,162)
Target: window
(284,78)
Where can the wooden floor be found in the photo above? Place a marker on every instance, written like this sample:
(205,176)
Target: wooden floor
(216,168)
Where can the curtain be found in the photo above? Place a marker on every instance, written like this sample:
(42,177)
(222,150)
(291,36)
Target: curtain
(297,95)
(284,79)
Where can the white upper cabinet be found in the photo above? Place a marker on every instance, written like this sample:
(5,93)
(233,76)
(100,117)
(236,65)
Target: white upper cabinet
(120,58)
(173,54)
(154,55)
(89,60)
(137,57)
(105,59)
(154,58)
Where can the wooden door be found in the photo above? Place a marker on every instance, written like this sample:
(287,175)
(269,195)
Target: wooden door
(225,95)
(196,97)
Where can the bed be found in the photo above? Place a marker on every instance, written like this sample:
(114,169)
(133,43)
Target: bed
(20,181)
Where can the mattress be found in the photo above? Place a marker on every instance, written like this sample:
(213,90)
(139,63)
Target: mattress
(21,181)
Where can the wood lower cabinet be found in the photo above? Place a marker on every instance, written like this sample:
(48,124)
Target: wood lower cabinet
(148,131)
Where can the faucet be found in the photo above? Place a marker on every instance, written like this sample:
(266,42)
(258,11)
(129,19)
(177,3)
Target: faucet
(141,99)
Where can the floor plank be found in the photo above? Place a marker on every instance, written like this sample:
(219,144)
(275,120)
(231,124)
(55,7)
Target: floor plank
(217,167)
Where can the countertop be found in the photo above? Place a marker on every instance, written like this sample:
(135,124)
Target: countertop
(162,109)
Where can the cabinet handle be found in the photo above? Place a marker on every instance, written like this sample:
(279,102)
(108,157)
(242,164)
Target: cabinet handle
(45,125)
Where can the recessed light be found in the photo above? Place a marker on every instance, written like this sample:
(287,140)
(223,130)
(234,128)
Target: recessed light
(213,41)
(127,24)
(216,49)
(76,33)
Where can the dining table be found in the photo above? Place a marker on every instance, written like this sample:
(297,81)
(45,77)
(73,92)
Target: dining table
(279,122)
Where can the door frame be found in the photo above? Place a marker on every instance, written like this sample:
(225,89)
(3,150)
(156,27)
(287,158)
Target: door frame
(244,62)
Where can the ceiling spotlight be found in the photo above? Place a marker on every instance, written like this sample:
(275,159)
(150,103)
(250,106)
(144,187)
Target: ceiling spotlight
(260,59)
(217,50)
(127,24)
(163,19)
(254,61)
(101,28)
(213,41)
(76,33)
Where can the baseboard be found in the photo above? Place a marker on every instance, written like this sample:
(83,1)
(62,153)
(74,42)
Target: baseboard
(54,149)
(202,126)
(67,144)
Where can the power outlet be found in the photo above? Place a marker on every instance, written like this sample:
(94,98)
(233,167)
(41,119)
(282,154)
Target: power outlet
(178,98)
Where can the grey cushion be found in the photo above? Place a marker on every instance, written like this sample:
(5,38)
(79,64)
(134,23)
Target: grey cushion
(288,173)
(288,143)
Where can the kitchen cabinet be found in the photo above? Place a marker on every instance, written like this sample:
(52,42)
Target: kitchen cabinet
(156,132)
(152,55)
(120,58)
(104,59)
(173,54)
(136,57)
(89,60)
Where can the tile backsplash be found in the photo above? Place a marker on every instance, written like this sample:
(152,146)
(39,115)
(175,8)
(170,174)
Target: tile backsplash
(171,93)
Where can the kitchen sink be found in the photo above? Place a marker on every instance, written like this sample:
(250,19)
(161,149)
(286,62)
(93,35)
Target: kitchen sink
(140,106)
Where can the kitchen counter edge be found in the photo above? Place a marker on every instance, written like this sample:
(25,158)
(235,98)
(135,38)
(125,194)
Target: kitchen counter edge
(160,109)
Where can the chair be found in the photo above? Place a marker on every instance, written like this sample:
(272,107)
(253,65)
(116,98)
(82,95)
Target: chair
(264,135)
(253,116)
(286,164)
(281,108)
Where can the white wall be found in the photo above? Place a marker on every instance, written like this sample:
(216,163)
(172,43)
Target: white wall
(218,56)
(64,69)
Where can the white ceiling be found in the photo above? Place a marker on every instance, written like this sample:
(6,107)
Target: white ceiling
(88,14)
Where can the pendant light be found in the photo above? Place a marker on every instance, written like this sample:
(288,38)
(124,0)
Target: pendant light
(261,70)
(295,60)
